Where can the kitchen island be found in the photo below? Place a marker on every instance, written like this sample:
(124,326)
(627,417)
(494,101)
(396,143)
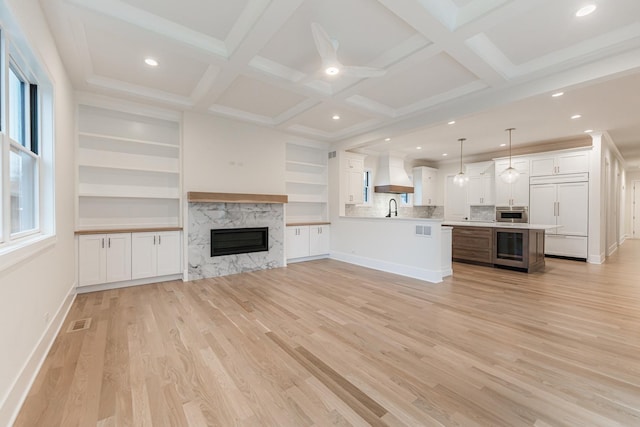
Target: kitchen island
(414,247)
(499,244)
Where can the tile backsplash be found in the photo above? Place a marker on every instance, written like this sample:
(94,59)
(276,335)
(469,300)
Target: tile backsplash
(483,213)
(380,207)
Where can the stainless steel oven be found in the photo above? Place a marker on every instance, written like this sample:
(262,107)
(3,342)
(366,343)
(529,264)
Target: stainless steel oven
(513,214)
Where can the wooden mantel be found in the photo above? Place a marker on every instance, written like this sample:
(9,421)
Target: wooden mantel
(200,197)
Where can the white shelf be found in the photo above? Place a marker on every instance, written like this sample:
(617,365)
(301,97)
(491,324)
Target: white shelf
(116,160)
(129,170)
(307,198)
(106,190)
(312,165)
(123,139)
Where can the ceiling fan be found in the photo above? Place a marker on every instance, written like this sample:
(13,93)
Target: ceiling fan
(328,48)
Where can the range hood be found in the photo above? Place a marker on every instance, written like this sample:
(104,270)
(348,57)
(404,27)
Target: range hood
(391,176)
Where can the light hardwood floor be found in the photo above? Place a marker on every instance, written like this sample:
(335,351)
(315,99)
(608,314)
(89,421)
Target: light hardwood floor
(327,343)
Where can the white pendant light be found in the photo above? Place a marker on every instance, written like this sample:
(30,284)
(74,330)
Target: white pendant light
(510,174)
(461,179)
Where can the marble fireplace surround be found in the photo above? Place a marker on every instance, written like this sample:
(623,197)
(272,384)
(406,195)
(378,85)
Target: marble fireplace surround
(208,211)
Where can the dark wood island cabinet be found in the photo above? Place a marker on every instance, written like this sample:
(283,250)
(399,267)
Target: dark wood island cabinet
(510,247)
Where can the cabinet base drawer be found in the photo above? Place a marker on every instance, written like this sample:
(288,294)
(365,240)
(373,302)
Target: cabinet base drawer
(568,246)
(475,255)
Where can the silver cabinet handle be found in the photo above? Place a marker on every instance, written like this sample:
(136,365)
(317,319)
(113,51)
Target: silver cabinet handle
(103,243)
(154,240)
(159,239)
(109,242)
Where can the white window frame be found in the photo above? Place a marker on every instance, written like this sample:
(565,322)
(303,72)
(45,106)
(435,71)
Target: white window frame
(368,199)
(15,53)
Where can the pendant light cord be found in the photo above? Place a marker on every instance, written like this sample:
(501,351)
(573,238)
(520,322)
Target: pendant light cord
(509,130)
(461,141)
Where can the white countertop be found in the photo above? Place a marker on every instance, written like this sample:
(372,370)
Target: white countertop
(525,226)
(394,218)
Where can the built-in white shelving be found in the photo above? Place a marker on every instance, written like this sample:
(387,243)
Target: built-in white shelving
(129,170)
(306,183)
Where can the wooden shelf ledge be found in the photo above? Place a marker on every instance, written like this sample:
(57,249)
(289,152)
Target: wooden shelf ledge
(127,230)
(199,197)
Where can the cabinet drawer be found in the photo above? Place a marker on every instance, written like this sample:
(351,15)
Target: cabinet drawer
(473,254)
(472,231)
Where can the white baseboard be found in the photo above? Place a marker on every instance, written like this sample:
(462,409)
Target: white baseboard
(612,249)
(403,270)
(596,259)
(307,258)
(10,408)
(127,283)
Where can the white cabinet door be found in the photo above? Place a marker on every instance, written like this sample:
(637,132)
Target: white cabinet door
(480,192)
(520,190)
(573,162)
(543,205)
(169,259)
(319,240)
(297,240)
(118,257)
(455,203)
(502,189)
(143,255)
(424,186)
(155,254)
(542,166)
(573,208)
(355,187)
(91,259)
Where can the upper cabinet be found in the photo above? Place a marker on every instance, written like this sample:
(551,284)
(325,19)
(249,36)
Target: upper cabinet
(517,193)
(425,186)
(560,163)
(353,178)
(128,170)
(481,184)
(306,183)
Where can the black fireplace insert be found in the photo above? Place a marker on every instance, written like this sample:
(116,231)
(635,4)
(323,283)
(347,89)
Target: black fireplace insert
(230,241)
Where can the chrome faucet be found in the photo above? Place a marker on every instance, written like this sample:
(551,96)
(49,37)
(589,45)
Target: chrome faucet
(396,208)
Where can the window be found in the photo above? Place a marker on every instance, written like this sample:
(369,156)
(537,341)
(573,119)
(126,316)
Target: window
(27,210)
(23,156)
(367,187)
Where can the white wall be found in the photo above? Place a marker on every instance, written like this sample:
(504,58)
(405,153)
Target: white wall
(43,283)
(228,156)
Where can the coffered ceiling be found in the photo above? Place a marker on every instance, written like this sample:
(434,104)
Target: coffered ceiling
(487,64)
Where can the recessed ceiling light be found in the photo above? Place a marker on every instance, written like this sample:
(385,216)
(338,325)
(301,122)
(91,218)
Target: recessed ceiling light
(503,145)
(335,117)
(444,154)
(387,139)
(332,71)
(588,131)
(452,122)
(586,10)
(418,148)
(557,94)
(151,62)
(576,116)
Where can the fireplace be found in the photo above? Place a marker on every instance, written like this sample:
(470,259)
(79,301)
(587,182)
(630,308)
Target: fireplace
(231,241)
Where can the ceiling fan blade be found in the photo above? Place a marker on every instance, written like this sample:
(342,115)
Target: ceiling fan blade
(324,44)
(362,72)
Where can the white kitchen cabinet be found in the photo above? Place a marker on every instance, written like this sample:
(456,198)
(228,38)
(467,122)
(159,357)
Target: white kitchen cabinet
(155,254)
(297,241)
(565,204)
(307,240)
(516,193)
(353,174)
(319,240)
(425,186)
(104,258)
(481,184)
(560,163)
(455,201)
